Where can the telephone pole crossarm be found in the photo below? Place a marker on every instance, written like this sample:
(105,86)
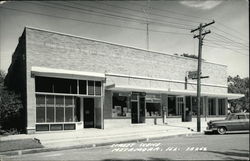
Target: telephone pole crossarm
(203,26)
(203,34)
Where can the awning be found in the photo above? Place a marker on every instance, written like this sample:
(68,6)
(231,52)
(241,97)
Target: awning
(62,73)
(114,87)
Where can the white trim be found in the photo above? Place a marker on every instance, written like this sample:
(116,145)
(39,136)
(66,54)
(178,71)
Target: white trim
(66,94)
(173,92)
(63,73)
(160,79)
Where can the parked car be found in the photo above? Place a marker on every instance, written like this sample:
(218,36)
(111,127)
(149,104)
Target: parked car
(233,122)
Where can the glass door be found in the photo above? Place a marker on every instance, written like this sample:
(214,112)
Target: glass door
(138,107)
(180,105)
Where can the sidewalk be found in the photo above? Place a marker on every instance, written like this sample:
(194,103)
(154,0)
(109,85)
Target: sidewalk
(99,137)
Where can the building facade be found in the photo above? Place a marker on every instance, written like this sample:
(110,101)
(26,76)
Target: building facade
(69,82)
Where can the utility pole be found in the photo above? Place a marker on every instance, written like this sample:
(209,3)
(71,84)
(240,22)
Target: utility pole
(146,12)
(200,37)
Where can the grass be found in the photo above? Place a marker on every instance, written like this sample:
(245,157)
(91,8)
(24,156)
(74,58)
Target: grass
(19,145)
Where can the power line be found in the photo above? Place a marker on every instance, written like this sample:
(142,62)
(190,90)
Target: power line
(226,45)
(224,37)
(221,47)
(188,15)
(237,37)
(155,14)
(170,11)
(92,22)
(230,28)
(138,19)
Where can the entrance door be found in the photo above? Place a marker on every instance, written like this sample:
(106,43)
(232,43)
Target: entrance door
(137,109)
(142,109)
(180,105)
(88,106)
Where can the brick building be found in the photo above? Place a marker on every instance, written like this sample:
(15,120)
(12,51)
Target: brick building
(69,82)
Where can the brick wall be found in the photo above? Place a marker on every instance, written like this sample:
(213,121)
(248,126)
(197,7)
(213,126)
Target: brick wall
(66,52)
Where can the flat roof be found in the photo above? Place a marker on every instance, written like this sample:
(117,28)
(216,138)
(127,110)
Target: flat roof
(135,48)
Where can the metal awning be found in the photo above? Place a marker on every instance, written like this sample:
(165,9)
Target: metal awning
(114,87)
(62,73)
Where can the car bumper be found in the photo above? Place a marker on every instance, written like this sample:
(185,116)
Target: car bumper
(210,129)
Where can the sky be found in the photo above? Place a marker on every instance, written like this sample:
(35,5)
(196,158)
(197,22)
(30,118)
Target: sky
(125,22)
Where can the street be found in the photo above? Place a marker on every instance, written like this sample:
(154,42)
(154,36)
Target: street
(197,147)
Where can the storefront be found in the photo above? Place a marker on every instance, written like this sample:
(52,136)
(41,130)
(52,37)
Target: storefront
(69,83)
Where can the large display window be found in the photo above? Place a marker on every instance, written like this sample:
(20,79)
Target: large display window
(222,106)
(121,107)
(153,105)
(50,108)
(211,106)
(171,105)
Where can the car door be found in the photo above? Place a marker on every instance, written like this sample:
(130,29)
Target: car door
(247,116)
(245,120)
(242,122)
(235,124)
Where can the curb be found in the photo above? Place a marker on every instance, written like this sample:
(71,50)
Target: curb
(40,150)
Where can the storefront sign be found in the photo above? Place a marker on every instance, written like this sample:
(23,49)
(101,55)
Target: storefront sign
(139,93)
(192,74)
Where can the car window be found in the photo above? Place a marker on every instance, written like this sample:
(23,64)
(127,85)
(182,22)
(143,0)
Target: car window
(234,117)
(230,117)
(241,117)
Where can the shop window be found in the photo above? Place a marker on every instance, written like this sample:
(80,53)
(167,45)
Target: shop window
(69,105)
(55,85)
(171,105)
(40,108)
(50,114)
(43,84)
(69,114)
(121,106)
(55,127)
(90,87)
(82,86)
(221,106)
(195,105)
(211,106)
(40,100)
(98,88)
(69,126)
(52,108)
(59,114)
(42,127)
(65,86)
(40,114)
(59,108)
(153,105)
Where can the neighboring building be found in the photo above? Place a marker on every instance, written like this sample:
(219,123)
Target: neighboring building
(69,82)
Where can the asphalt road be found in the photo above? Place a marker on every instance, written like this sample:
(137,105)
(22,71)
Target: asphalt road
(197,147)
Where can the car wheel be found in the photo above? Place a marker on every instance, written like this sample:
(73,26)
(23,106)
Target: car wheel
(221,130)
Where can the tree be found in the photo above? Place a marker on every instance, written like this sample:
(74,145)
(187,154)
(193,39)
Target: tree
(239,85)
(10,107)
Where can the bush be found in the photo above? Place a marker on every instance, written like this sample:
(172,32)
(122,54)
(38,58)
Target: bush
(11,108)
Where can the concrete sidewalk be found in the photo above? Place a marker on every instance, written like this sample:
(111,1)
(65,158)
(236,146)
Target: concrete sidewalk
(97,137)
